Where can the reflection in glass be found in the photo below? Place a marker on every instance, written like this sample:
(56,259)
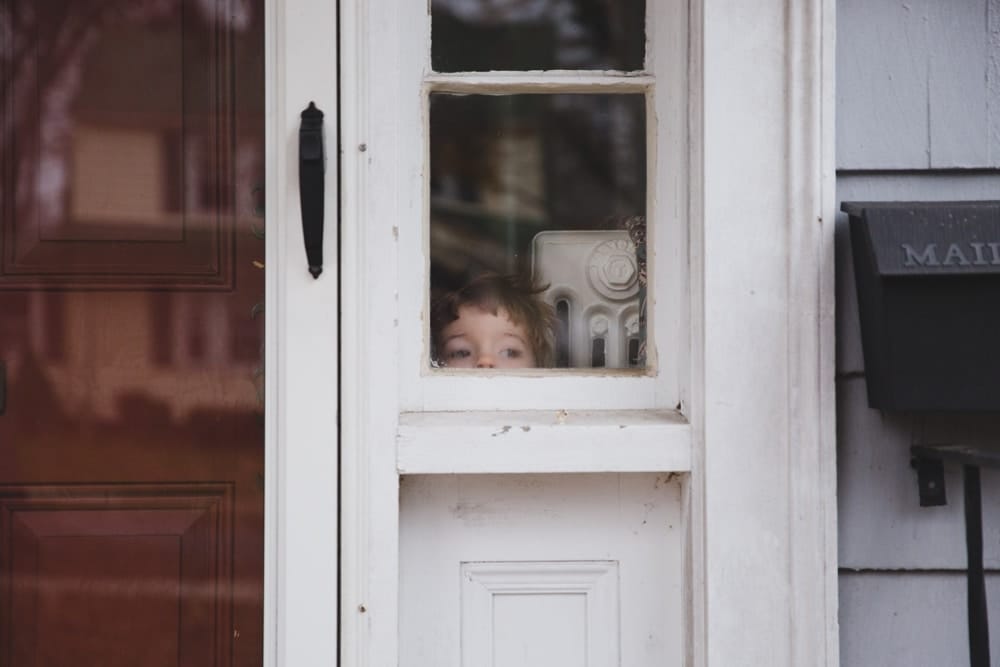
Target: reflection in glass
(131,450)
(551,187)
(483,35)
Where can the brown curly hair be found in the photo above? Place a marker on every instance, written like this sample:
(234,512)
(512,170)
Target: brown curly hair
(490,292)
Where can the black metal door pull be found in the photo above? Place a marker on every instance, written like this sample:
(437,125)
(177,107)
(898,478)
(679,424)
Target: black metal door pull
(312,165)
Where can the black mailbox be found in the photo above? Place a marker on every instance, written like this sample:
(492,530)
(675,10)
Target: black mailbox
(928,277)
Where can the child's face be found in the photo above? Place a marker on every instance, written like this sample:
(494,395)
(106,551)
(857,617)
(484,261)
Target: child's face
(480,339)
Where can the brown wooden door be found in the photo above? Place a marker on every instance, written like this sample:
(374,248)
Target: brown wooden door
(131,330)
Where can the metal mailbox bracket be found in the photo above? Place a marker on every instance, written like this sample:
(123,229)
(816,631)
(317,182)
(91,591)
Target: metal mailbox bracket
(929,463)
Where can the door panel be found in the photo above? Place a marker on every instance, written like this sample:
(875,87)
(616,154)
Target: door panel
(153,562)
(131,293)
(527,570)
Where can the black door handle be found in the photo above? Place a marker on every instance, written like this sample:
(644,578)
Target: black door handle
(312,165)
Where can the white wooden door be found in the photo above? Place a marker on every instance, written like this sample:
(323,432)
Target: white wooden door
(677,512)
(507,518)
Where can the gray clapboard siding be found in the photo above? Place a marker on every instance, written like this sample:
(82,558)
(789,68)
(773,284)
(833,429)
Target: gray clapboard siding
(881,522)
(918,84)
(958,124)
(993,80)
(908,619)
(881,87)
(918,102)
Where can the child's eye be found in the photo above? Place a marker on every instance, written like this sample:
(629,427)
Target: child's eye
(511,353)
(457,354)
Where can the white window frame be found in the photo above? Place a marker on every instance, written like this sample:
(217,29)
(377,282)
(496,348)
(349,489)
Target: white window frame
(464,405)
(755,433)
(664,84)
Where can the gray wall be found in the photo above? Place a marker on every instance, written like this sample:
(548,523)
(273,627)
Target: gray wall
(918,118)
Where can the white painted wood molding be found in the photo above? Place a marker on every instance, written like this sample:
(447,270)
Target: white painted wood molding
(301,491)
(763,503)
(543,442)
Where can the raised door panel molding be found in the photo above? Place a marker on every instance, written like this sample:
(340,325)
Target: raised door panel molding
(116,166)
(116,575)
(528,614)
(581,566)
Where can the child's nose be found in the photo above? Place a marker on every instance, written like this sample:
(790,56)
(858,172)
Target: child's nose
(485,361)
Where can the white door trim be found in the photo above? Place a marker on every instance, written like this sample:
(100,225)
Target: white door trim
(369,236)
(301,476)
(763,484)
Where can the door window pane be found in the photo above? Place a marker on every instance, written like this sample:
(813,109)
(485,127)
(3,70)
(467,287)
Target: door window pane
(550,190)
(483,35)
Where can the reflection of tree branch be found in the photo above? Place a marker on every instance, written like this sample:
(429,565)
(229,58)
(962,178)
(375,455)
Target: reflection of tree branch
(71,37)
(65,55)
(44,56)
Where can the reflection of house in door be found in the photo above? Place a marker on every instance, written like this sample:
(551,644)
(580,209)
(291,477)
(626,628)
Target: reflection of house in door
(131,472)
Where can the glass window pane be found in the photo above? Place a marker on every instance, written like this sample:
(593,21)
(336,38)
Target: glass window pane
(551,190)
(483,35)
